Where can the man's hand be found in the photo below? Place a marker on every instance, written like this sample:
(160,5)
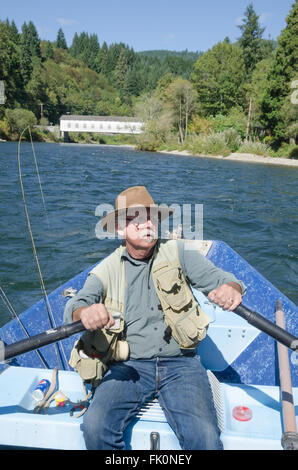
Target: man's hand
(94,317)
(228,296)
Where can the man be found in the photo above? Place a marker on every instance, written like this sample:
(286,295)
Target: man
(145,284)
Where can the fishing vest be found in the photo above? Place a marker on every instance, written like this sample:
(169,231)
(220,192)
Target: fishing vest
(182,314)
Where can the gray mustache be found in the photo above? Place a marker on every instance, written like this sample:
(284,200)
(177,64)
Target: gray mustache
(146,233)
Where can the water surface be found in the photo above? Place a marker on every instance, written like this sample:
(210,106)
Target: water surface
(252,207)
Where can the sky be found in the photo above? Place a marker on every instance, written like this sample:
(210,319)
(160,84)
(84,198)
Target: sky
(196,25)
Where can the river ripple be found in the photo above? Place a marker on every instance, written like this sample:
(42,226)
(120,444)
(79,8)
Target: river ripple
(252,207)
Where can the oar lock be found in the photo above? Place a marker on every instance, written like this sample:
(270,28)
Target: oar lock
(69,292)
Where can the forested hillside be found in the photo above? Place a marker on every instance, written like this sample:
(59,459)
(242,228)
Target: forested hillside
(232,95)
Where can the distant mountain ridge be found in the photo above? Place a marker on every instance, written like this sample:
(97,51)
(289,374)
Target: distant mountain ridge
(163,53)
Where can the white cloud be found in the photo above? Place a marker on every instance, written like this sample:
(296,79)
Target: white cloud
(66,21)
(264,17)
(170,37)
(239,20)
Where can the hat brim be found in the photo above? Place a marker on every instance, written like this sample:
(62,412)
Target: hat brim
(108,221)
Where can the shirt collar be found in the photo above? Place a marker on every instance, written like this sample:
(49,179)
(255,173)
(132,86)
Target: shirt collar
(137,262)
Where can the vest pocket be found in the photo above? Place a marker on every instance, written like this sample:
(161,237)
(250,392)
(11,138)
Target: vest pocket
(91,369)
(171,285)
(191,329)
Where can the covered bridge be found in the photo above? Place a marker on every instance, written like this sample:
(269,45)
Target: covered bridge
(100,124)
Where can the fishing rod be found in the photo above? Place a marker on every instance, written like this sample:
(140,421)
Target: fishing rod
(15,315)
(50,315)
(64,331)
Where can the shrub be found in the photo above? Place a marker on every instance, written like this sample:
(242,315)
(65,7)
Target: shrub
(256,148)
(221,143)
(200,125)
(18,119)
(213,144)
(294,153)
(147,141)
(236,119)
(232,139)
(285,151)
(4,130)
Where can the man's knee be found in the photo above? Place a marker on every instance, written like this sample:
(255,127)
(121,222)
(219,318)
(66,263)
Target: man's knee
(204,437)
(93,430)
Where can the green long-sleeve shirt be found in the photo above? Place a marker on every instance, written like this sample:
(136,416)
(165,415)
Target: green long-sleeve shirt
(144,322)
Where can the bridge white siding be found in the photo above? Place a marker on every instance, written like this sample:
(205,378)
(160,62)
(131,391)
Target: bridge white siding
(113,127)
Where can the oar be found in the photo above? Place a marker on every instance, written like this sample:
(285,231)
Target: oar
(271,329)
(43,339)
(289,440)
(64,331)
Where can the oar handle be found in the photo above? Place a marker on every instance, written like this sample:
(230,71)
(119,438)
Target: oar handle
(42,339)
(271,329)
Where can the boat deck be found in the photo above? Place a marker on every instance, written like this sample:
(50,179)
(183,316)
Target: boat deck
(20,426)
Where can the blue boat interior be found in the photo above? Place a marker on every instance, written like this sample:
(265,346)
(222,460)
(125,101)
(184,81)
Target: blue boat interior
(241,361)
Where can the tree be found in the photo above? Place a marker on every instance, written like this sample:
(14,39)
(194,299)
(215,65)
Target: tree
(157,118)
(31,39)
(10,67)
(218,78)
(19,119)
(121,69)
(255,92)
(182,98)
(48,50)
(25,57)
(283,72)
(103,59)
(61,41)
(251,39)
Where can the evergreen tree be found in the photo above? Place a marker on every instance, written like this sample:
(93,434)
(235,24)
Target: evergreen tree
(10,67)
(93,51)
(26,66)
(74,48)
(87,49)
(121,69)
(33,40)
(251,39)
(61,41)
(103,59)
(48,50)
(12,31)
(281,75)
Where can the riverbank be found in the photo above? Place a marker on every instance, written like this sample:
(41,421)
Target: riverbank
(242,157)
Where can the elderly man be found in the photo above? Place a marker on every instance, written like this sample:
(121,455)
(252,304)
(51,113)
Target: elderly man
(143,326)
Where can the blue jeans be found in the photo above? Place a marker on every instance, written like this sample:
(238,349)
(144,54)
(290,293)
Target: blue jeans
(182,387)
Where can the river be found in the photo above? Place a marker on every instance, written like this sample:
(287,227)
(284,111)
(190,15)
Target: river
(252,207)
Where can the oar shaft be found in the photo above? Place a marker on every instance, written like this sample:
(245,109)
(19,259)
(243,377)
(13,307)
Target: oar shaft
(56,334)
(257,320)
(42,339)
(289,439)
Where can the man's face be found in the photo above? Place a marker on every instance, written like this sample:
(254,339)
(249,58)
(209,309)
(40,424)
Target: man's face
(139,228)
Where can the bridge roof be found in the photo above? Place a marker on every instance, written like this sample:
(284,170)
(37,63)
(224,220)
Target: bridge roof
(75,117)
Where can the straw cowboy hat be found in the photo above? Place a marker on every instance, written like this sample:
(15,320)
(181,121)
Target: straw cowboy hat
(134,199)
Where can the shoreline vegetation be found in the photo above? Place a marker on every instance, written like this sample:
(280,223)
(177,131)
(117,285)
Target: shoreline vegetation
(237,100)
(234,156)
